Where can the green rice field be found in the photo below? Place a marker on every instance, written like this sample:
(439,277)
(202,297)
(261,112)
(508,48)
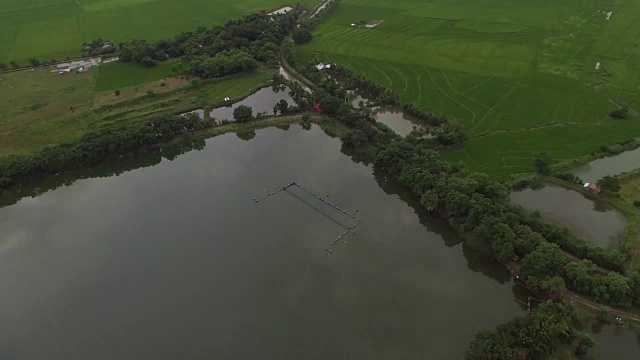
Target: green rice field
(520,76)
(56,29)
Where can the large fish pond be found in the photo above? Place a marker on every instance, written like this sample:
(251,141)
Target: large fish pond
(165,255)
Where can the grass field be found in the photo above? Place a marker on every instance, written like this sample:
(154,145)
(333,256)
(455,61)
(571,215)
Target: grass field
(118,75)
(519,76)
(56,29)
(44,108)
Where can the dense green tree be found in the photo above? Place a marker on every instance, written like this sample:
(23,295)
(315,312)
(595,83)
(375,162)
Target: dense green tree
(530,337)
(125,55)
(544,262)
(621,113)
(281,107)
(618,289)
(554,286)
(148,61)
(302,35)
(223,63)
(354,138)
(634,284)
(542,163)
(489,345)
(610,183)
(3,66)
(243,113)
(579,275)
(449,134)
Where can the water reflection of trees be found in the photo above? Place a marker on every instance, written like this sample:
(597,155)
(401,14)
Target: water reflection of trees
(246,135)
(108,168)
(475,262)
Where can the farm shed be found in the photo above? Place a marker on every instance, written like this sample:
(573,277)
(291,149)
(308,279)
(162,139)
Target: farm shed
(592,187)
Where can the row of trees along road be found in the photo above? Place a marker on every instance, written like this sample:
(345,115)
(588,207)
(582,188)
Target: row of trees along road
(95,146)
(239,45)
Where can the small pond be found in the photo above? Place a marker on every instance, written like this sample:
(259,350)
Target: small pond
(613,165)
(592,221)
(199,112)
(262,100)
(397,120)
(614,342)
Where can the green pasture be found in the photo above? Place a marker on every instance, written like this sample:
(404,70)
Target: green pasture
(46,108)
(209,95)
(119,75)
(56,29)
(519,76)
(42,108)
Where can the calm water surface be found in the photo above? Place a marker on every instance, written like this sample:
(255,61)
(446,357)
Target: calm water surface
(593,221)
(613,165)
(397,120)
(173,260)
(262,100)
(615,342)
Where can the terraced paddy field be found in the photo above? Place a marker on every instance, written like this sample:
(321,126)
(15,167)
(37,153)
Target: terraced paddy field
(520,76)
(56,29)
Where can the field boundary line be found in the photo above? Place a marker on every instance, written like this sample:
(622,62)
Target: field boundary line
(495,105)
(419,85)
(406,82)
(477,86)
(380,71)
(533,127)
(464,96)
(473,119)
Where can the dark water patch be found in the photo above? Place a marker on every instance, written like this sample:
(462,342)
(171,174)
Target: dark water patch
(592,220)
(261,101)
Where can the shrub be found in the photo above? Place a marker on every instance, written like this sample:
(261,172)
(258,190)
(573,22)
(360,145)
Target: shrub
(117,92)
(542,163)
(148,61)
(620,113)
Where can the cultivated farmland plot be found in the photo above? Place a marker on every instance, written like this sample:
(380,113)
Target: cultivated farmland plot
(520,76)
(56,29)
